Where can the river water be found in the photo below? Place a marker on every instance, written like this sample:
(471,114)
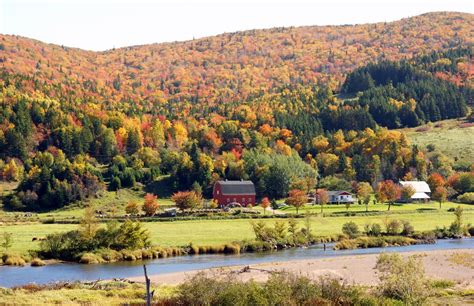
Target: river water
(15,276)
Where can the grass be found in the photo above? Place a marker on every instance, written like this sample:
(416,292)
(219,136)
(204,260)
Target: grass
(450,137)
(110,203)
(213,232)
(396,208)
(463,259)
(97,293)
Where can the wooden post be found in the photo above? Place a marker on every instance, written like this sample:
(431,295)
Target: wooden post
(149,295)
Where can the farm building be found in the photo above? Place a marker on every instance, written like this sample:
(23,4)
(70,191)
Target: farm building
(422,189)
(340,196)
(227,192)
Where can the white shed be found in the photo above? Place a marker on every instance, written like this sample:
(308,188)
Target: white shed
(422,189)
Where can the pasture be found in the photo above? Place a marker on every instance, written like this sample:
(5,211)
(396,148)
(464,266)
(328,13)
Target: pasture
(209,232)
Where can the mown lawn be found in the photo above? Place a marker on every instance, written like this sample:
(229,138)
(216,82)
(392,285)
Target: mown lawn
(410,207)
(203,232)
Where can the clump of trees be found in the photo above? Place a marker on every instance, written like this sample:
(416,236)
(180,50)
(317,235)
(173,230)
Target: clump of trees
(283,234)
(90,237)
(54,181)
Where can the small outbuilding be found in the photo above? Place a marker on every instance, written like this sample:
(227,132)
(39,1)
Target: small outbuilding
(422,190)
(231,192)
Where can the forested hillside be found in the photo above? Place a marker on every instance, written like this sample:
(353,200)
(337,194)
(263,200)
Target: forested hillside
(282,107)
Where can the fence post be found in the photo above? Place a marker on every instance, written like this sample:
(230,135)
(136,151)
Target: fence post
(149,295)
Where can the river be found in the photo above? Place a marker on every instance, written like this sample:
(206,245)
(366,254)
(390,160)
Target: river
(15,276)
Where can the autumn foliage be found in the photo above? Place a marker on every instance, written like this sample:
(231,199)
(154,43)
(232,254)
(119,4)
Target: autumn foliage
(150,206)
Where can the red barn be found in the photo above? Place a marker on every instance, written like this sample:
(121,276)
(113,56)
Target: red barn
(226,192)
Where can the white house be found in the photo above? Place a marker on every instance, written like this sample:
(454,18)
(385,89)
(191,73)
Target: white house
(422,189)
(340,196)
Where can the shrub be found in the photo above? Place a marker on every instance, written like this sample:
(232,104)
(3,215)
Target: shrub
(471,230)
(193,250)
(37,262)
(373,242)
(279,289)
(346,244)
(129,255)
(232,249)
(374,229)
(408,229)
(109,255)
(13,260)
(147,254)
(393,227)
(90,258)
(351,229)
(402,279)
(467,197)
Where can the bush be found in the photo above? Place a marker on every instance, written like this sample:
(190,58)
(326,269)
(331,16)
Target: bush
(351,229)
(13,260)
(470,230)
(467,198)
(232,249)
(279,289)
(374,229)
(109,255)
(37,262)
(408,229)
(147,254)
(131,255)
(90,258)
(402,279)
(373,242)
(393,227)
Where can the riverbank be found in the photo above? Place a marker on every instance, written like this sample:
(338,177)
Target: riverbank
(451,265)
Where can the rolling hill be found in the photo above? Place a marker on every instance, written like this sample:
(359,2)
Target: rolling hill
(231,67)
(279,107)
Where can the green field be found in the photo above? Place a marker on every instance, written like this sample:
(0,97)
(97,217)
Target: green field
(453,138)
(395,208)
(179,233)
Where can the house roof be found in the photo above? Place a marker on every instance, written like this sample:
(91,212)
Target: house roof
(237,187)
(419,186)
(338,192)
(420,195)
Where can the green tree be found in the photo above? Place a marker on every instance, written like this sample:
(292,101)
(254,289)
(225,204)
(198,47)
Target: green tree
(364,193)
(7,241)
(89,225)
(134,142)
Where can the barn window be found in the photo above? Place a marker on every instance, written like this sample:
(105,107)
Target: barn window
(217,191)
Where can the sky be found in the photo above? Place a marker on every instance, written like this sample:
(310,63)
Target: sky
(105,24)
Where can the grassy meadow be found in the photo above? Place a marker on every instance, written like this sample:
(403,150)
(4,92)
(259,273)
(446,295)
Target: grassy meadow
(453,138)
(212,232)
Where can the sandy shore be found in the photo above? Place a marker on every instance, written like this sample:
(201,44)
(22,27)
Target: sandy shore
(358,269)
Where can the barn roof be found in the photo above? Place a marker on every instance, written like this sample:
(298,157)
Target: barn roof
(419,186)
(237,187)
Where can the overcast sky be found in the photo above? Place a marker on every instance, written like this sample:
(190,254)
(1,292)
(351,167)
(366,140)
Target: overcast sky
(104,24)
